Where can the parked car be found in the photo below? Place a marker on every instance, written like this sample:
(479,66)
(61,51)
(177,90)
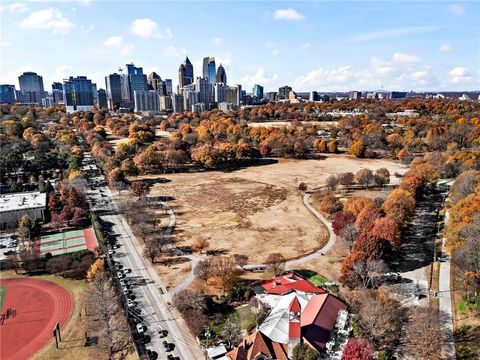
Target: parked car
(140,328)
(167,346)
(162,333)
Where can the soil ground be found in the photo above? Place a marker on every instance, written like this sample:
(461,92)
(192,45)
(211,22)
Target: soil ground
(254,211)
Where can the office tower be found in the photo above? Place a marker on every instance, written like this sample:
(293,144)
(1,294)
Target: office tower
(209,70)
(257,91)
(314,96)
(113,84)
(398,95)
(168,87)
(57,86)
(7,94)
(355,95)
(31,85)
(166,103)
(243,97)
(47,102)
(283,92)
(271,96)
(94,94)
(138,82)
(133,70)
(146,100)
(221,76)
(102,99)
(155,82)
(177,103)
(185,73)
(233,96)
(77,94)
(202,86)
(220,92)
(127,98)
(190,98)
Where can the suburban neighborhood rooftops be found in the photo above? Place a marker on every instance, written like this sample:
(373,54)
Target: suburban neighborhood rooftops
(290,282)
(22,201)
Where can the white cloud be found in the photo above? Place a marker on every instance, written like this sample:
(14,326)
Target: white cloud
(117,42)
(172,51)
(288,14)
(217,40)
(446,48)
(149,29)
(14,8)
(274,52)
(306,45)
(51,18)
(404,58)
(459,74)
(4,44)
(390,33)
(259,77)
(456,9)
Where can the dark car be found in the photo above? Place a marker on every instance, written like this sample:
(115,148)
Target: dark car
(163,333)
(167,346)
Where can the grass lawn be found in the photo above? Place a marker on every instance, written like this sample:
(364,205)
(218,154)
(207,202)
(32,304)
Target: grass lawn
(247,319)
(312,276)
(3,290)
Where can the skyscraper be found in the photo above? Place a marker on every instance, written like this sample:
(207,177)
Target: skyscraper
(102,99)
(77,94)
(257,91)
(233,94)
(283,92)
(31,85)
(155,82)
(202,86)
(220,92)
(7,94)
(185,73)
(177,103)
(221,76)
(209,70)
(146,100)
(57,92)
(168,87)
(165,103)
(113,84)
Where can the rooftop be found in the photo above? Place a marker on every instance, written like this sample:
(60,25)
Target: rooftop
(290,282)
(22,201)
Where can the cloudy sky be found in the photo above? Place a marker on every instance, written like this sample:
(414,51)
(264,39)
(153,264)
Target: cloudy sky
(326,46)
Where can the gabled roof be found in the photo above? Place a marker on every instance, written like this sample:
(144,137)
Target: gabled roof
(258,344)
(289,282)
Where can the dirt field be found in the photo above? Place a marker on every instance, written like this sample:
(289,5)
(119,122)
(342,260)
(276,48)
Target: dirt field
(257,210)
(325,124)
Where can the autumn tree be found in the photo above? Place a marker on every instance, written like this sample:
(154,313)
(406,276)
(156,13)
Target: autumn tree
(400,205)
(341,220)
(276,263)
(330,204)
(332,146)
(139,188)
(346,179)
(356,204)
(116,176)
(332,182)
(364,177)
(357,149)
(224,270)
(98,265)
(357,349)
(202,270)
(382,177)
(304,352)
(200,244)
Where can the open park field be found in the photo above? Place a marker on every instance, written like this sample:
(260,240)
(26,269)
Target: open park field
(258,210)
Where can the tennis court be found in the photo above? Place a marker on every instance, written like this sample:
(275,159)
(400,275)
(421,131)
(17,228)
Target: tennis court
(68,242)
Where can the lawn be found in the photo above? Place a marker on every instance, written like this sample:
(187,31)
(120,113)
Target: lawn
(3,290)
(247,319)
(313,276)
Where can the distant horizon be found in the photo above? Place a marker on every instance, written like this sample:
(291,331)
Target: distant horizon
(332,46)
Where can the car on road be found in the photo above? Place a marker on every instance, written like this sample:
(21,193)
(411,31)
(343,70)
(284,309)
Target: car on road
(152,355)
(172,357)
(130,303)
(110,252)
(120,274)
(125,291)
(140,328)
(167,346)
(162,333)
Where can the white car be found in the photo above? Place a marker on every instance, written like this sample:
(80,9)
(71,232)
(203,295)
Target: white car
(119,274)
(110,252)
(140,328)
(130,303)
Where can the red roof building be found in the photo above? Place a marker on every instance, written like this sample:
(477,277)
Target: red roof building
(282,285)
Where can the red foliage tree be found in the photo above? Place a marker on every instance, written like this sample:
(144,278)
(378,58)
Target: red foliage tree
(53,202)
(139,188)
(347,275)
(357,349)
(342,219)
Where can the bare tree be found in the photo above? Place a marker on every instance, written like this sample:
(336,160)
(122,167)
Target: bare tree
(151,250)
(142,229)
(424,335)
(349,234)
(332,182)
(364,177)
(346,179)
(369,271)
(187,300)
(107,319)
(202,270)
(276,263)
(225,269)
(241,260)
(232,330)
(200,244)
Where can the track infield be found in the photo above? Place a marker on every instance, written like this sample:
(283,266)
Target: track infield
(36,305)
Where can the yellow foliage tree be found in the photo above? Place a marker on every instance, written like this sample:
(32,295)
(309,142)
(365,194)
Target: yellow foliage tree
(97,266)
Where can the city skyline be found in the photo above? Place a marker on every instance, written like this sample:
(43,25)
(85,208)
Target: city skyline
(300,44)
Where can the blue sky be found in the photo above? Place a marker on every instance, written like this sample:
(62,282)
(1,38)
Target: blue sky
(326,46)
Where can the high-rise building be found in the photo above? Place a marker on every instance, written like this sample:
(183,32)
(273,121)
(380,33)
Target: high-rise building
(7,94)
(133,70)
(190,98)
(398,95)
(166,103)
(209,70)
(102,99)
(202,86)
(77,94)
(314,96)
(168,87)
(57,92)
(283,92)
(221,76)
(31,85)
(271,96)
(147,100)
(155,82)
(220,92)
(185,73)
(177,103)
(355,95)
(47,102)
(113,84)
(257,91)
(127,98)
(138,82)
(233,96)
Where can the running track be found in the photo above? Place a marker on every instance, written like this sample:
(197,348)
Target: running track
(39,304)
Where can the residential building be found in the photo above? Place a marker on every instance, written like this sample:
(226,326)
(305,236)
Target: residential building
(14,206)
(283,92)
(31,83)
(102,99)
(257,91)
(220,90)
(209,69)
(146,101)
(166,103)
(177,103)
(314,96)
(7,94)
(185,73)
(398,95)
(113,84)
(78,94)
(355,95)
(221,76)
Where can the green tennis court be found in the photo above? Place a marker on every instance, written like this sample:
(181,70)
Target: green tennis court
(68,242)
(3,290)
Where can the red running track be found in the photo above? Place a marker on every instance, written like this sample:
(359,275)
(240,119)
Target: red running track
(39,304)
